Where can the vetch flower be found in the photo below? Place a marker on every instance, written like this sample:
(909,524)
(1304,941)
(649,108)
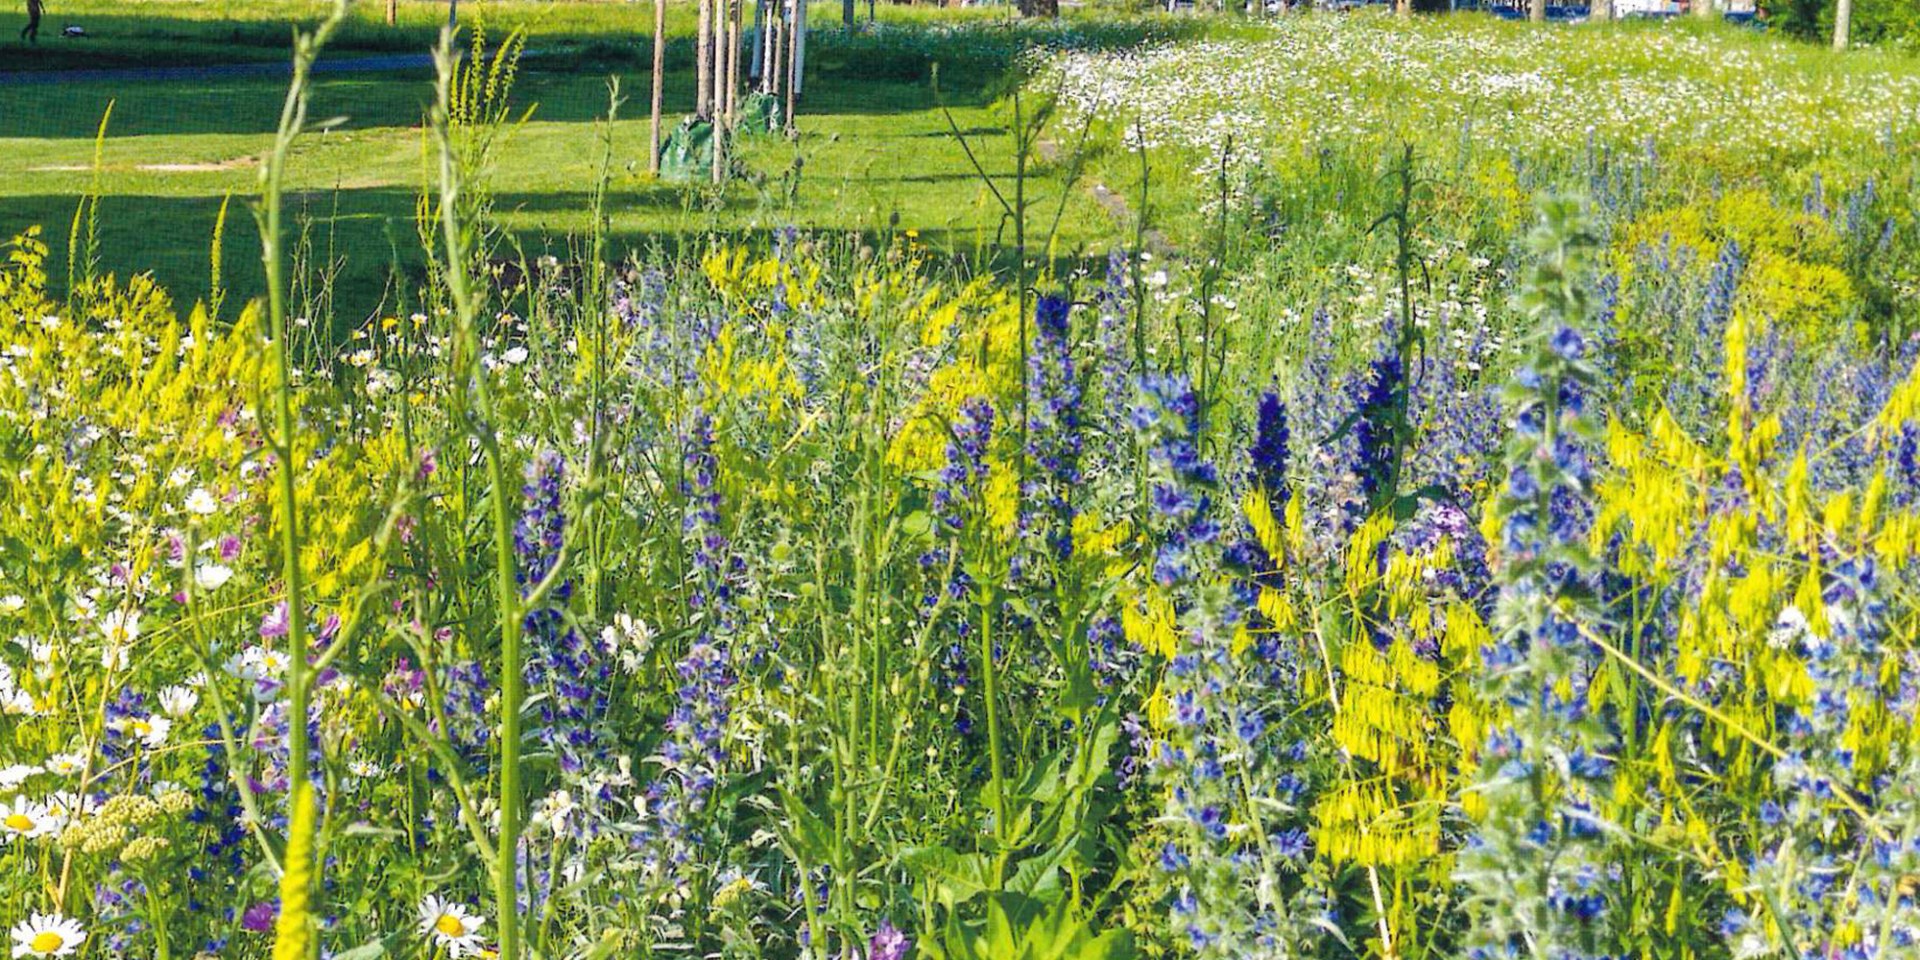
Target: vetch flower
(888,943)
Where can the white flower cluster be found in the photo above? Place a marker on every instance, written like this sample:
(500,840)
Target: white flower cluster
(1491,85)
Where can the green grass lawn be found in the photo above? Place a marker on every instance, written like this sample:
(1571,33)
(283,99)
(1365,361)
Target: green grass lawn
(875,152)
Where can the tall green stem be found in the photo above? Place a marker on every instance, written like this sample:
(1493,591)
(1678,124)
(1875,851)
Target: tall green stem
(477,403)
(293,116)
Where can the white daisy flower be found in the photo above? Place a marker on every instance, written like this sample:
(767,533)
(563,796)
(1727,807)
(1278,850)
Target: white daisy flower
(149,730)
(178,701)
(201,502)
(212,576)
(121,626)
(450,925)
(66,764)
(18,703)
(62,806)
(24,819)
(13,775)
(47,935)
(12,603)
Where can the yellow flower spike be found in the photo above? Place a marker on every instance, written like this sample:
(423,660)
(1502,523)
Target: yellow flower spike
(1811,601)
(1799,502)
(1278,609)
(1151,629)
(1902,407)
(1159,709)
(1242,639)
(1296,525)
(293,931)
(1258,509)
(1867,522)
(1836,514)
(1362,549)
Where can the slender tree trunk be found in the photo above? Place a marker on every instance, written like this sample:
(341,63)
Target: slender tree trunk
(659,79)
(1703,8)
(703,62)
(720,117)
(1537,11)
(1842,23)
(776,66)
(796,63)
(393,12)
(1601,11)
(733,60)
(846,13)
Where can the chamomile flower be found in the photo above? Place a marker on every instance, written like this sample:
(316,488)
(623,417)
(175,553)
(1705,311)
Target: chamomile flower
(212,576)
(62,806)
(202,503)
(178,701)
(66,764)
(450,925)
(24,819)
(13,775)
(47,935)
(120,627)
(150,730)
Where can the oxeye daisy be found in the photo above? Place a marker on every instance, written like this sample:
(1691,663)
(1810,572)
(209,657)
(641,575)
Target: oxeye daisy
(150,730)
(120,627)
(25,819)
(47,935)
(66,764)
(178,701)
(450,925)
(201,502)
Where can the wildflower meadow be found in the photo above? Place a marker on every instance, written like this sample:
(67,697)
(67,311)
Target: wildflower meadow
(1353,485)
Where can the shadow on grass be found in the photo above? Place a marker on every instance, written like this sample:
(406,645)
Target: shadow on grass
(360,239)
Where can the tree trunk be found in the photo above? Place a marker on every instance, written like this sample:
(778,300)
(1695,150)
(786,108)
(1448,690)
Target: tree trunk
(703,62)
(1703,8)
(1537,11)
(659,79)
(1601,11)
(776,66)
(720,21)
(733,59)
(393,12)
(1842,23)
(846,13)
(796,64)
